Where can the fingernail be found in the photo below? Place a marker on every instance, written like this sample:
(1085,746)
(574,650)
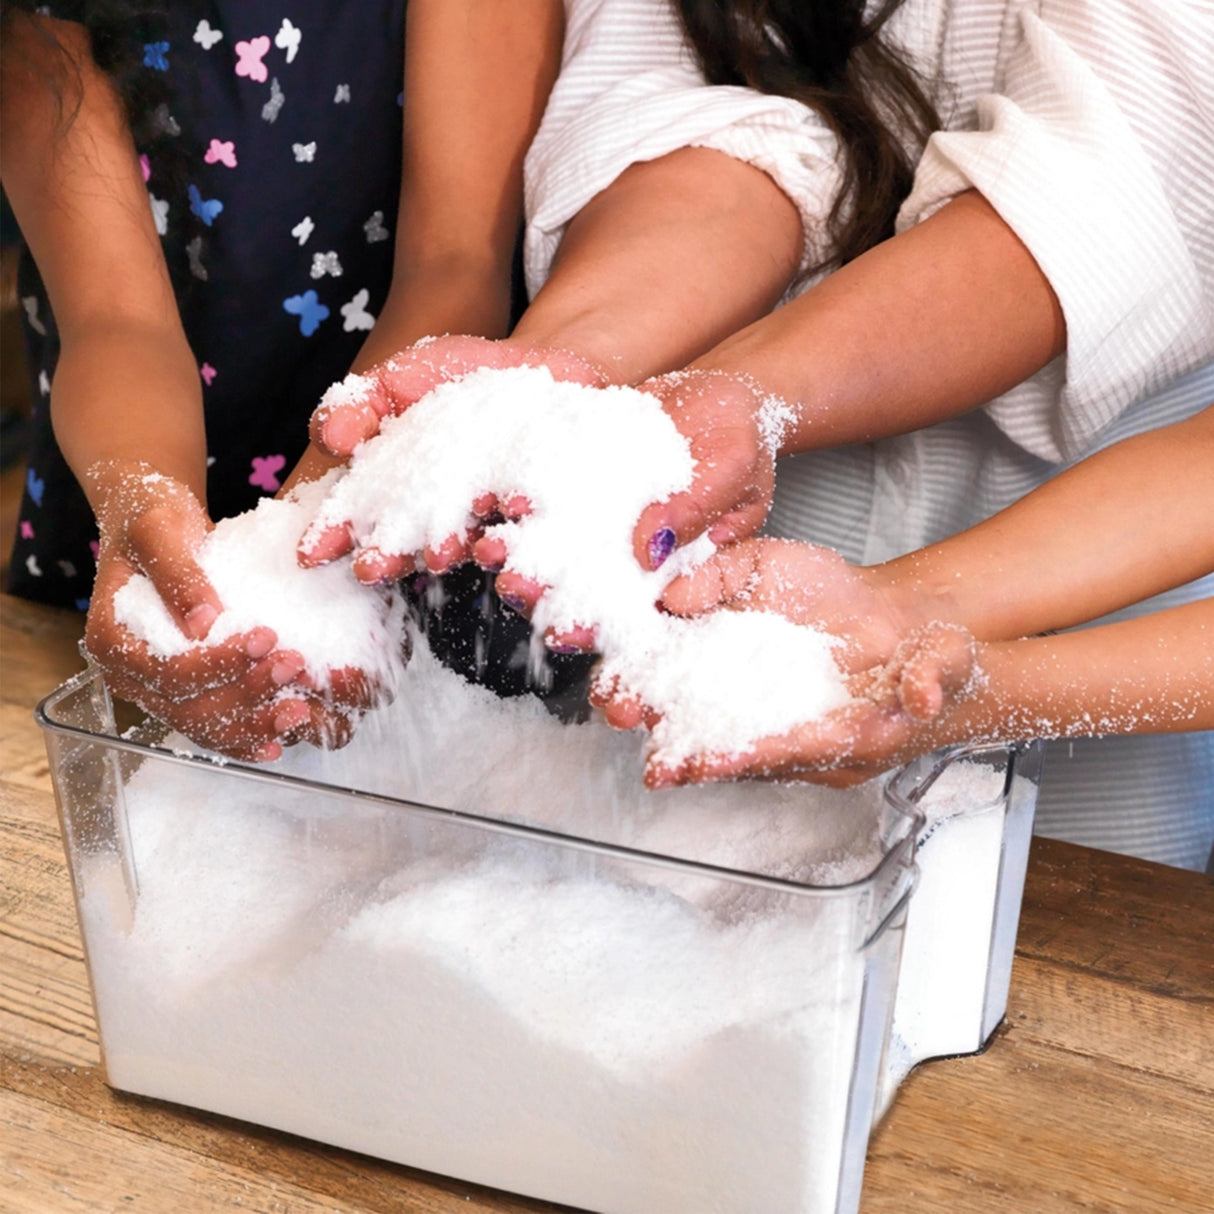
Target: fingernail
(661,545)
(513,601)
(198,622)
(268,753)
(260,644)
(561,647)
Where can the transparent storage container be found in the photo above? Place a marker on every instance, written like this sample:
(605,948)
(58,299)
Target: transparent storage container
(582,1022)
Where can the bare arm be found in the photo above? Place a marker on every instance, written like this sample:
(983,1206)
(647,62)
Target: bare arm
(676,254)
(126,388)
(477,75)
(1127,523)
(929,324)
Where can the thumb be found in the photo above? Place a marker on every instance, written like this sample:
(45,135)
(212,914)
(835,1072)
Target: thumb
(941,666)
(164,542)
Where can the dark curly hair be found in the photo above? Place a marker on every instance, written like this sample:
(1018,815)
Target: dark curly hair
(829,55)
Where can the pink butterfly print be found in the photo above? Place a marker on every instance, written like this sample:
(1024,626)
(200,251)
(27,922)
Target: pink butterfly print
(95,548)
(265,472)
(27,530)
(221,152)
(208,374)
(249,56)
(145,167)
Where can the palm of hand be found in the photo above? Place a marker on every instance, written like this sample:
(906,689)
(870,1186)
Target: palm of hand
(729,497)
(807,584)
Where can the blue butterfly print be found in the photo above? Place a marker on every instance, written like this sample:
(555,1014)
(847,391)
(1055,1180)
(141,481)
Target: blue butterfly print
(309,309)
(156,55)
(35,486)
(205,208)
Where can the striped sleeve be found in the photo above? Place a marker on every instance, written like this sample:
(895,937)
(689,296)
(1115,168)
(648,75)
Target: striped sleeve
(629,92)
(1096,150)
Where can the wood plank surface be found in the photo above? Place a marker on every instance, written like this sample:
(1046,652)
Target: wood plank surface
(1097,1093)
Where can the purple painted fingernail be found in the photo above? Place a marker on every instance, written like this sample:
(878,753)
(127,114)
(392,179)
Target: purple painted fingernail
(513,601)
(661,545)
(562,648)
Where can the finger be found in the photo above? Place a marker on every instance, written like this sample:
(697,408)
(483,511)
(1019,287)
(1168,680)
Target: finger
(942,666)
(347,688)
(323,546)
(163,542)
(515,507)
(519,593)
(454,550)
(339,427)
(324,726)
(624,712)
(736,525)
(490,552)
(725,577)
(372,566)
(485,505)
(577,639)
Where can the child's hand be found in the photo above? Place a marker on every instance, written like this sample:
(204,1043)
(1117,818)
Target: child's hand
(733,435)
(895,716)
(227,696)
(725,423)
(902,674)
(353,410)
(734,438)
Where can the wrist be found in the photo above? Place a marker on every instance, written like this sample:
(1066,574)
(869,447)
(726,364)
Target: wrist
(435,298)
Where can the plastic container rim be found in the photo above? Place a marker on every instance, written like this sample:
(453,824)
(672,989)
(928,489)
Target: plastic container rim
(908,829)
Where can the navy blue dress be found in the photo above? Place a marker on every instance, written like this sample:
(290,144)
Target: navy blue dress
(273,172)
(275,188)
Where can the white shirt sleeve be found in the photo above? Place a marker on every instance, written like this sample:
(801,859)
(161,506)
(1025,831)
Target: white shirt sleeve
(1096,150)
(629,91)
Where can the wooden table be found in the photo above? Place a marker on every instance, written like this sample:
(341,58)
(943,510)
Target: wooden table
(1096,1095)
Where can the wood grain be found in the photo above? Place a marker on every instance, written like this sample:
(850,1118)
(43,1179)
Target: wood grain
(1097,1094)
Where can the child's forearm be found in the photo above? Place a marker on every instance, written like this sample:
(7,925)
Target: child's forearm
(674,255)
(477,77)
(922,327)
(1127,523)
(126,395)
(1153,674)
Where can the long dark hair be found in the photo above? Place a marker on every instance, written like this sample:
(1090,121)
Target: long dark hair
(117,31)
(827,54)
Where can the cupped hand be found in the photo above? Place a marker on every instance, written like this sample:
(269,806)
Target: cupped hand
(732,432)
(353,410)
(807,584)
(899,711)
(242,696)
(729,428)
(901,673)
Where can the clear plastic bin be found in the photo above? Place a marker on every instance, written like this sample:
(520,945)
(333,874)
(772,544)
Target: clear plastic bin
(573,1020)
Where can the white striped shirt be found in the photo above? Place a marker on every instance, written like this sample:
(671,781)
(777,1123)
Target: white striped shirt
(1087,125)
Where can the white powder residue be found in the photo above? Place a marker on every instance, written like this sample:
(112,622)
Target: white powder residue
(447,742)
(693,671)
(496,1008)
(323,613)
(588,1027)
(588,460)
